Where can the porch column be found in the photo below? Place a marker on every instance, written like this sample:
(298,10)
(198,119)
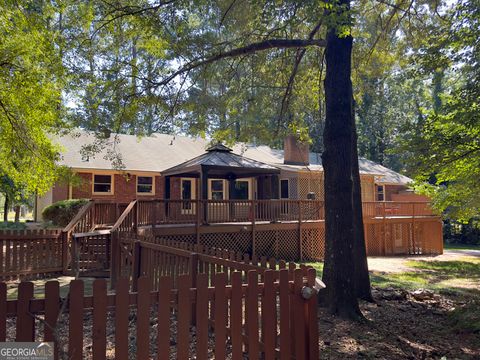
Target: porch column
(204,193)
(231,190)
(275,194)
(167,195)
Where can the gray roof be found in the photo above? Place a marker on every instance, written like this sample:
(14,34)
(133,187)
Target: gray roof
(159,152)
(221,157)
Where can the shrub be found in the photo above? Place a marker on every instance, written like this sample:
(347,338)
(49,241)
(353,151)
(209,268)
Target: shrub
(9,225)
(61,212)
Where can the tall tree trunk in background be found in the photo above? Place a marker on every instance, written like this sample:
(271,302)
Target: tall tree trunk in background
(362,278)
(338,274)
(17,213)
(5,208)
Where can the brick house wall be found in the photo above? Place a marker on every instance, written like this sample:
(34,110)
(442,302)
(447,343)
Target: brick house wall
(124,188)
(59,192)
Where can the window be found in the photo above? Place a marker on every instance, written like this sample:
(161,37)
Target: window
(217,190)
(145,185)
(187,194)
(380,193)
(284,191)
(102,184)
(241,190)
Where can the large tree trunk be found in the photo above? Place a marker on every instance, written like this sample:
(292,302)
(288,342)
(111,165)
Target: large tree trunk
(338,274)
(362,278)
(6,205)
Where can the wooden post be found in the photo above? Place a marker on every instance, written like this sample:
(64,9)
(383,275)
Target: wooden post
(193,282)
(300,245)
(413,228)
(153,218)
(199,219)
(204,193)
(65,236)
(114,258)
(253,227)
(75,256)
(384,230)
(137,257)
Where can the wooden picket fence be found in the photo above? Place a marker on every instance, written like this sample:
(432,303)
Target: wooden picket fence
(138,256)
(269,320)
(29,254)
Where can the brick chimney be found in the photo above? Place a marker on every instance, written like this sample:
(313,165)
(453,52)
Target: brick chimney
(295,152)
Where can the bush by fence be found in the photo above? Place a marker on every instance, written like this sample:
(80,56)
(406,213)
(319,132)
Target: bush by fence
(62,212)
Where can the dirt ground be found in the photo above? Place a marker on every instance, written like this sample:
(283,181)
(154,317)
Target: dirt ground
(425,308)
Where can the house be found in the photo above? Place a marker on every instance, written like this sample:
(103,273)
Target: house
(248,198)
(157,167)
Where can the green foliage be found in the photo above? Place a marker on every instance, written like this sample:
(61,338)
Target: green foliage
(445,149)
(62,212)
(10,225)
(30,94)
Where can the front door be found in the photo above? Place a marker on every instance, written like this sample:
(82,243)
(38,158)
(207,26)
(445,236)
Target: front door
(188,194)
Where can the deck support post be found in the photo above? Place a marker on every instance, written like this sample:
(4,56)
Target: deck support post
(253,227)
(300,245)
(204,192)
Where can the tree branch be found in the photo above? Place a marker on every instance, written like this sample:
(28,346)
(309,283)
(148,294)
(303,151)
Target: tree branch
(291,80)
(249,49)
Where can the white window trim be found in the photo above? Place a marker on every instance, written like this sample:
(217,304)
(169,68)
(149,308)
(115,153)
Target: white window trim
(376,192)
(112,184)
(192,209)
(250,187)
(145,193)
(280,188)
(225,188)
(194,189)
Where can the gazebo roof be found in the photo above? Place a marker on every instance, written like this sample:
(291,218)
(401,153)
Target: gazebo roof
(220,160)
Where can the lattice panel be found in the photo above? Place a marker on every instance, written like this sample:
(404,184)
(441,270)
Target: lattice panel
(303,187)
(374,236)
(236,241)
(313,244)
(311,184)
(293,188)
(266,243)
(190,239)
(288,245)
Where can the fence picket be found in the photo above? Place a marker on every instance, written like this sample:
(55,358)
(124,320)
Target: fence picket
(121,319)
(143,318)
(3,311)
(75,332)
(236,311)
(183,317)
(163,337)
(285,347)
(299,315)
(52,307)
(25,322)
(252,315)
(220,315)
(202,316)
(269,316)
(312,318)
(99,332)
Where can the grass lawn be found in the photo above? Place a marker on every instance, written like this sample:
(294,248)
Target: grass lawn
(461,247)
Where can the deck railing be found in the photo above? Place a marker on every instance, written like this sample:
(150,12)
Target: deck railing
(160,212)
